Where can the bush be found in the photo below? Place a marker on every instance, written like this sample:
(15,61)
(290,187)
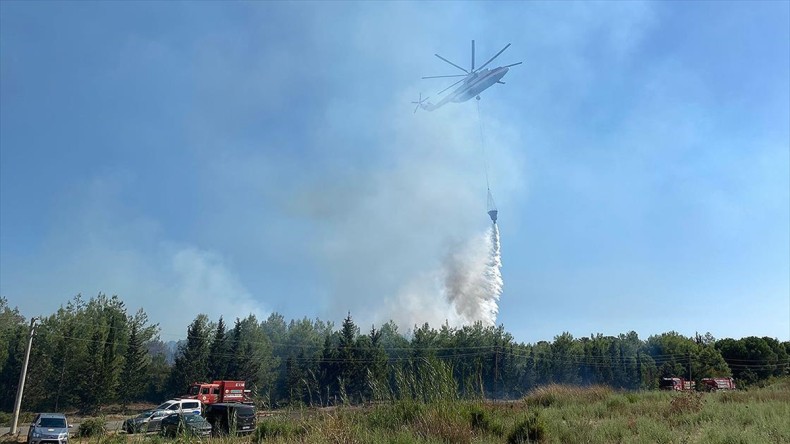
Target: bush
(532,429)
(396,415)
(114,439)
(481,422)
(561,395)
(272,428)
(7,417)
(685,404)
(92,427)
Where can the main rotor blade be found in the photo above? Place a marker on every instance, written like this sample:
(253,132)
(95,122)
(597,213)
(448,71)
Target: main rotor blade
(473,55)
(495,56)
(437,55)
(441,77)
(512,64)
(450,86)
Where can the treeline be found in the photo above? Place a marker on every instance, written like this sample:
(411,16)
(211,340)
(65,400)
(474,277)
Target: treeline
(93,353)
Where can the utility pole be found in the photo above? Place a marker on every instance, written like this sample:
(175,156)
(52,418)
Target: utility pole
(22,376)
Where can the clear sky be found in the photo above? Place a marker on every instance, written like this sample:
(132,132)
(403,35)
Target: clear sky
(235,158)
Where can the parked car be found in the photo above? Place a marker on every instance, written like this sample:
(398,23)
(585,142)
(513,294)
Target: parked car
(185,406)
(49,428)
(185,424)
(148,421)
(230,418)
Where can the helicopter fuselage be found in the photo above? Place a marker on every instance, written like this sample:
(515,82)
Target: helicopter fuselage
(474,82)
(477,83)
(473,85)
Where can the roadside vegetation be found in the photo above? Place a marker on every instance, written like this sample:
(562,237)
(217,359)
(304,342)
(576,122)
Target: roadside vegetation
(93,353)
(475,384)
(550,414)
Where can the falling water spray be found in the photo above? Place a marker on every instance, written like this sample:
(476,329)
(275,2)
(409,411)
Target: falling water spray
(494,274)
(473,279)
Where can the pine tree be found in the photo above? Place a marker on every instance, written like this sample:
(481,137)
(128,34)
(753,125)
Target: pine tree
(219,353)
(327,371)
(376,365)
(349,374)
(92,377)
(192,361)
(135,367)
(293,381)
(232,371)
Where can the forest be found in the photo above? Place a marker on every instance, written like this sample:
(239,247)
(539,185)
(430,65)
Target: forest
(92,353)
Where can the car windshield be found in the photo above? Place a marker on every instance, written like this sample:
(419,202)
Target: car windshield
(55,423)
(245,411)
(145,414)
(195,419)
(163,406)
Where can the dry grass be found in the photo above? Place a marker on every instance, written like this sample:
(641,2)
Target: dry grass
(559,395)
(552,414)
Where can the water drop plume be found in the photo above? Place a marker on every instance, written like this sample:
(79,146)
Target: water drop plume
(465,288)
(473,279)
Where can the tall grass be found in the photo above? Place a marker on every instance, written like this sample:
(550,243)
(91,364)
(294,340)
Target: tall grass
(552,414)
(425,380)
(559,395)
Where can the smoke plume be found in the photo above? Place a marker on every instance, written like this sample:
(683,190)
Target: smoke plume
(463,289)
(473,279)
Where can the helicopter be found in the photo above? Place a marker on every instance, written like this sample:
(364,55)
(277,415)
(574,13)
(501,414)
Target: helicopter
(474,81)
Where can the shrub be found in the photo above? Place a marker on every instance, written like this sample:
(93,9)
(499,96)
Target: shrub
(532,429)
(7,417)
(272,428)
(114,439)
(560,395)
(480,421)
(688,403)
(616,403)
(92,427)
(434,426)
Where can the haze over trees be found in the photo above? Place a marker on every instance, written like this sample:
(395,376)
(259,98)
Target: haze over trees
(92,353)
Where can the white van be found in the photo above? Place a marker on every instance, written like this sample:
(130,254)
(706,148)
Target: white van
(185,406)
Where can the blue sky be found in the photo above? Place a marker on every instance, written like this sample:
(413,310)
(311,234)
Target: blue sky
(235,158)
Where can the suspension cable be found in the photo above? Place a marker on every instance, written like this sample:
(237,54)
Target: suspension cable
(483,146)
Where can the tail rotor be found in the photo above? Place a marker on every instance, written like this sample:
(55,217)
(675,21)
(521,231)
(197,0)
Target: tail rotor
(419,103)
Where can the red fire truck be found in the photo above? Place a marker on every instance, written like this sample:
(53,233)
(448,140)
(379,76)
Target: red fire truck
(219,391)
(677,384)
(713,384)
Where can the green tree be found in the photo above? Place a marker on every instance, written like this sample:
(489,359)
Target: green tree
(135,372)
(251,358)
(375,359)
(219,352)
(567,355)
(350,371)
(191,363)
(751,359)
(328,370)
(13,329)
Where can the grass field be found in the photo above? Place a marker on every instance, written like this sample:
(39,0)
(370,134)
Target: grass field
(553,414)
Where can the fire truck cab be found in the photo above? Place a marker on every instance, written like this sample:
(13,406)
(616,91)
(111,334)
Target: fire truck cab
(219,391)
(677,384)
(713,384)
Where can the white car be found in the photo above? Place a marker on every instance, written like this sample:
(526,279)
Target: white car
(48,428)
(185,406)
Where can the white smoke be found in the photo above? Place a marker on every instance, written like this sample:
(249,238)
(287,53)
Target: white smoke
(465,288)
(473,278)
